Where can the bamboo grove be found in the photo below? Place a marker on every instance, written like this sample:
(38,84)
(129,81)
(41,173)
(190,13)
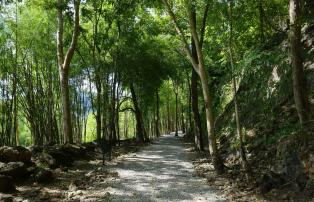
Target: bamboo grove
(75,71)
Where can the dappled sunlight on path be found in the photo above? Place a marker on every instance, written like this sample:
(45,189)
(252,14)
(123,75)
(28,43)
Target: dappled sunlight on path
(160,172)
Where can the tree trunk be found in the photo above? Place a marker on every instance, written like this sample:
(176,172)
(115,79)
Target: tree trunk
(66,107)
(117,120)
(189,127)
(168,116)
(182,120)
(198,137)
(177,115)
(157,115)
(113,110)
(234,87)
(99,108)
(140,130)
(64,66)
(105,107)
(299,87)
(200,69)
(217,161)
(14,91)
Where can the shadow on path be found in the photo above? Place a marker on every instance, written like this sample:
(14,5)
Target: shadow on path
(160,172)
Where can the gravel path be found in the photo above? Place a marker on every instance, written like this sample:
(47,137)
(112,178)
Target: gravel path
(160,172)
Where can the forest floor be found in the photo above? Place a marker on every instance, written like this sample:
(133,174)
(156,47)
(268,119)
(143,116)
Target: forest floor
(161,171)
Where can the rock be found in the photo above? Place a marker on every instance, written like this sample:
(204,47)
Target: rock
(6,198)
(36,150)
(90,146)
(79,193)
(89,174)
(31,169)
(6,184)
(55,157)
(60,156)
(24,155)
(58,170)
(33,193)
(71,195)
(302,180)
(16,170)
(64,169)
(78,184)
(74,151)
(72,187)
(44,196)
(292,166)
(43,176)
(48,159)
(270,181)
(15,154)
(107,194)
(8,154)
(309,189)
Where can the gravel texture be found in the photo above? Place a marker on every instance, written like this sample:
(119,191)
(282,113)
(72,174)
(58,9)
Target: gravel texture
(162,171)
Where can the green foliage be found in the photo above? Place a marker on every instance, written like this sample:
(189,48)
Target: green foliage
(133,42)
(286,130)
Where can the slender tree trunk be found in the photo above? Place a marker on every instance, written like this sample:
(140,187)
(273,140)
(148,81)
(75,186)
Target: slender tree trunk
(66,107)
(99,108)
(117,114)
(182,120)
(198,137)
(177,115)
(105,107)
(113,111)
(98,86)
(189,127)
(168,116)
(299,87)
(235,100)
(64,66)
(157,115)
(14,93)
(140,130)
(15,108)
(217,161)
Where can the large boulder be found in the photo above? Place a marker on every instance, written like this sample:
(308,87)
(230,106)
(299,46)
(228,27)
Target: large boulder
(55,157)
(15,154)
(75,151)
(6,184)
(8,154)
(16,170)
(60,155)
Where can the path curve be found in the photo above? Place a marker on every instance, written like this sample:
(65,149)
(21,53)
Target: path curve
(161,171)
